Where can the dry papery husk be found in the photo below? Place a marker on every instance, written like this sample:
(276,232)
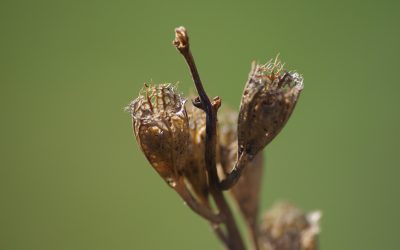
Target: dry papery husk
(268,100)
(161,127)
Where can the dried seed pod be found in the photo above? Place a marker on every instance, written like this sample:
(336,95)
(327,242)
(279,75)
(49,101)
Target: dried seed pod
(285,227)
(195,170)
(269,98)
(246,192)
(161,128)
(227,139)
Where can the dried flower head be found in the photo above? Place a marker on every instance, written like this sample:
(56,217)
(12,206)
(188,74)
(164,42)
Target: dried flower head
(269,98)
(161,128)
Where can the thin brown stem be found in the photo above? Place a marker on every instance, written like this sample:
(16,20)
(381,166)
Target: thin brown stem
(253,235)
(220,234)
(233,176)
(203,102)
(203,211)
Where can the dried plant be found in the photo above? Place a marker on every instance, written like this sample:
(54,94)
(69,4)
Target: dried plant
(200,158)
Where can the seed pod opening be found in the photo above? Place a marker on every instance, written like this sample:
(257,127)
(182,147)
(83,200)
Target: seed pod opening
(161,127)
(269,98)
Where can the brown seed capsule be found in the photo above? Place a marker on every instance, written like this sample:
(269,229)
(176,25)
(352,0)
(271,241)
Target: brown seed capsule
(195,170)
(269,98)
(285,227)
(227,139)
(246,192)
(161,128)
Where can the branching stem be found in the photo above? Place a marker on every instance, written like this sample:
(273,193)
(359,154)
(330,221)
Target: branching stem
(203,211)
(203,102)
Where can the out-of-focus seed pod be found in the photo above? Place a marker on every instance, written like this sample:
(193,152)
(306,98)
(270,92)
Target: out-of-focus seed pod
(161,127)
(246,192)
(195,171)
(285,227)
(269,98)
(227,139)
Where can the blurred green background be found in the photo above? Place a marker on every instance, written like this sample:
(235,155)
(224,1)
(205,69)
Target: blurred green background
(72,176)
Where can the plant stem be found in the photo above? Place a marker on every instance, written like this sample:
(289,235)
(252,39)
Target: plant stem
(203,211)
(181,42)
